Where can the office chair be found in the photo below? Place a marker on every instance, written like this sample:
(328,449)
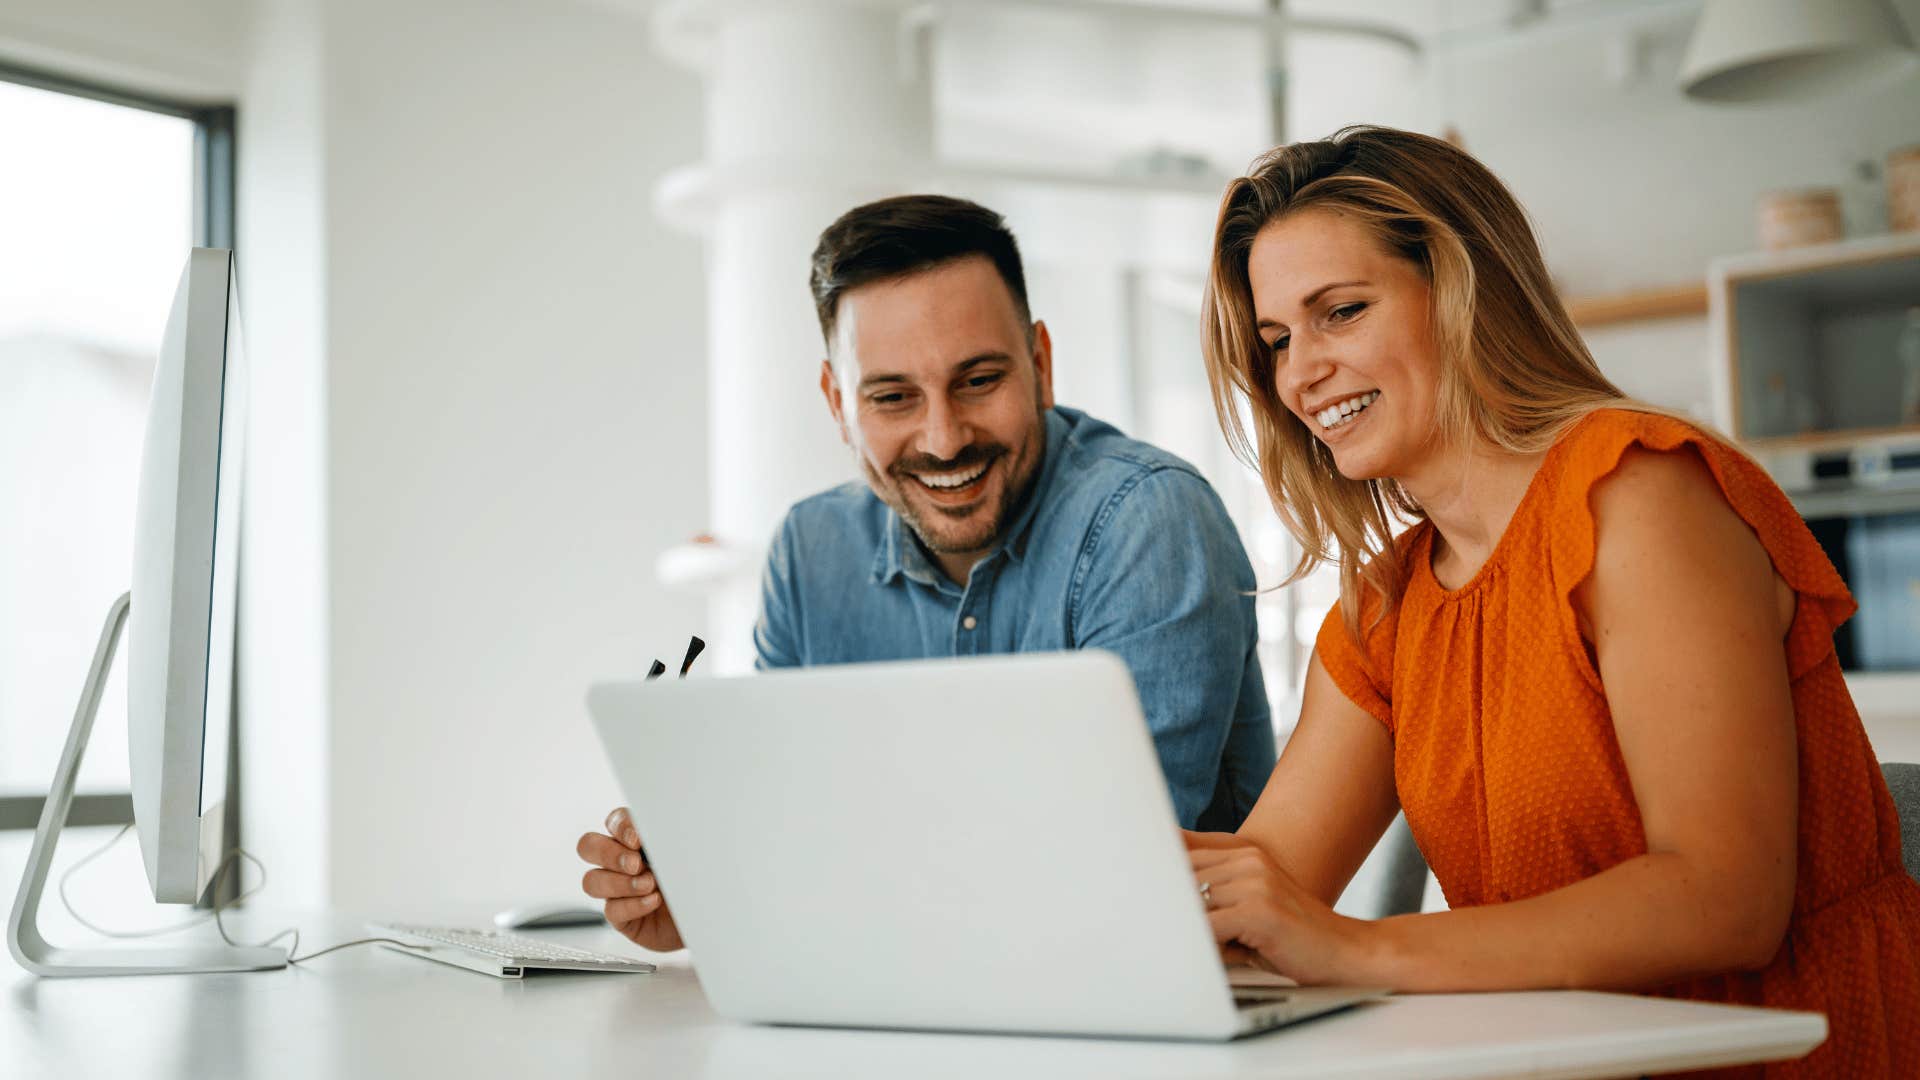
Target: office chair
(1903,779)
(1406,873)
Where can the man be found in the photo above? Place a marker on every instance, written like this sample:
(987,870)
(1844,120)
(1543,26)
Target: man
(991,521)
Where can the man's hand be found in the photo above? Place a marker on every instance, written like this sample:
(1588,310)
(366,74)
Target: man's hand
(635,905)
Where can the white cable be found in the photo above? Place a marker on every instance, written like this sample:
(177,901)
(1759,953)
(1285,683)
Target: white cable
(66,901)
(219,906)
(293,931)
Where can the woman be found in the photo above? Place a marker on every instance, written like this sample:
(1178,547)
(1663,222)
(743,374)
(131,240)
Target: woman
(1597,672)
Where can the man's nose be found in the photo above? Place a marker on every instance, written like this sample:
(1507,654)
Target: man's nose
(946,432)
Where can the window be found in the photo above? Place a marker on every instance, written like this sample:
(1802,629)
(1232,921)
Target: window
(103,195)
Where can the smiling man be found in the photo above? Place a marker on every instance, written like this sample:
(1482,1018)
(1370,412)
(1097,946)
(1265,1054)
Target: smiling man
(992,520)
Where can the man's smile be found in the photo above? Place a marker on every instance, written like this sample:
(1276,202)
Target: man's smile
(949,480)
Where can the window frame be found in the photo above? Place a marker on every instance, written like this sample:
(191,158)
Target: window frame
(213,226)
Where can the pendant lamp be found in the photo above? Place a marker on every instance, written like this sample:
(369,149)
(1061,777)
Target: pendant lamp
(1790,50)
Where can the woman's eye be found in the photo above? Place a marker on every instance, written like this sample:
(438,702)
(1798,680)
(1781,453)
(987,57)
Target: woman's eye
(1280,343)
(1347,311)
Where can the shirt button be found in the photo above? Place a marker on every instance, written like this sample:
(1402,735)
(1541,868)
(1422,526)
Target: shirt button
(969,622)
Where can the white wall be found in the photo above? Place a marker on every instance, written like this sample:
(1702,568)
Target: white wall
(515,402)
(281,660)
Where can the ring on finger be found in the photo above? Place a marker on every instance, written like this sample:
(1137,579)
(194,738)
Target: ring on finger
(1206,893)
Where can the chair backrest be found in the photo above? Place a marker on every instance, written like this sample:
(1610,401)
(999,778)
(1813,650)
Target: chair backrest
(1903,779)
(1405,882)
(1406,874)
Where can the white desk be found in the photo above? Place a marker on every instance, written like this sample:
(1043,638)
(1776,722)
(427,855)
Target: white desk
(368,1012)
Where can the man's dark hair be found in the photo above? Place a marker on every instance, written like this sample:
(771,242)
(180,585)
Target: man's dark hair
(905,235)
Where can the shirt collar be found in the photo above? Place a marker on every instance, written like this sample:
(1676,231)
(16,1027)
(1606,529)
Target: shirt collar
(899,552)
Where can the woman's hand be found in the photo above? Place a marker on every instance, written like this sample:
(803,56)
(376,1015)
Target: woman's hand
(1261,916)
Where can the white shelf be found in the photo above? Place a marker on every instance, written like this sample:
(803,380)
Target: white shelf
(706,565)
(1753,265)
(1804,340)
(686,197)
(684,29)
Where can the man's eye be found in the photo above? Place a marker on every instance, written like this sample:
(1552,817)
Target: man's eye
(978,382)
(1347,311)
(888,399)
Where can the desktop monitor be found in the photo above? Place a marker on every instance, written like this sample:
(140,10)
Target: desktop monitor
(180,639)
(180,627)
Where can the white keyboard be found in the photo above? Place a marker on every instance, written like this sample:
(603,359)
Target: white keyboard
(497,953)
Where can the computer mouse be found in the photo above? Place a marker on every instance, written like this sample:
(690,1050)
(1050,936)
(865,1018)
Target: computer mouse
(538,916)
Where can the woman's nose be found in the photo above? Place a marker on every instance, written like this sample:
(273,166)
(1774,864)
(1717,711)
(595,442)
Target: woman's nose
(1305,366)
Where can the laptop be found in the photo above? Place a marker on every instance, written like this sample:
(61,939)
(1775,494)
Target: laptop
(982,844)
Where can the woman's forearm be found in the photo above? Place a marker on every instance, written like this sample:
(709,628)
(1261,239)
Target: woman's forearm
(1651,920)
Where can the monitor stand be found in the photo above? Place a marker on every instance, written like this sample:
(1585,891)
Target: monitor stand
(23,926)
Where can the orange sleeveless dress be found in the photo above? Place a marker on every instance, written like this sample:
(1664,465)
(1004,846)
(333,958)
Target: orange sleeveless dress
(1505,759)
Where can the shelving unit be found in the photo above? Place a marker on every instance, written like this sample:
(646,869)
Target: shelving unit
(1808,378)
(1639,305)
(1804,342)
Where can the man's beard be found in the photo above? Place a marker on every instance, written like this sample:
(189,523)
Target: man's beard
(940,537)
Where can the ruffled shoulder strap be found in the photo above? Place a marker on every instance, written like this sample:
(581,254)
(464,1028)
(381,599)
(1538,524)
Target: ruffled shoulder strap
(1590,451)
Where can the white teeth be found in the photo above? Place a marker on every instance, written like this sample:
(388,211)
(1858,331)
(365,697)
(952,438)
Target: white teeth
(950,480)
(1336,414)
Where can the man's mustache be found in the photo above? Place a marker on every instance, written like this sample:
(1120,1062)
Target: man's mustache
(967,458)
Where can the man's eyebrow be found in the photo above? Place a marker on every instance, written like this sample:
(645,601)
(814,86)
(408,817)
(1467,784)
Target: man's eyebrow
(961,368)
(1307,301)
(977,359)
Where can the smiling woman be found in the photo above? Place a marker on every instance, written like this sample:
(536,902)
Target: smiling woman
(1518,374)
(1598,670)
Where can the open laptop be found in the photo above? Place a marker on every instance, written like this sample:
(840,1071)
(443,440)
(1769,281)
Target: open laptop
(975,845)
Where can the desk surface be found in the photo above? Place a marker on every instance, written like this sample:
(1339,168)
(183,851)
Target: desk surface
(369,1012)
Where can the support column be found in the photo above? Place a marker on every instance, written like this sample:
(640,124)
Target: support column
(813,107)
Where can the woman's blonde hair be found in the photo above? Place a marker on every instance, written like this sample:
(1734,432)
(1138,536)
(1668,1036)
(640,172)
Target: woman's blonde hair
(1514,373)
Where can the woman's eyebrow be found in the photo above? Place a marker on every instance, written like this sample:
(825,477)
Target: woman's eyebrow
(1308,300)
(1328,287)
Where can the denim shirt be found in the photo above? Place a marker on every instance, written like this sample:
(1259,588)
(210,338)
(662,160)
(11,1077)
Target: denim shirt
(1121,546)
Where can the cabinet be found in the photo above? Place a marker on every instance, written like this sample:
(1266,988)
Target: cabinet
(1809,378)
(1807,342)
